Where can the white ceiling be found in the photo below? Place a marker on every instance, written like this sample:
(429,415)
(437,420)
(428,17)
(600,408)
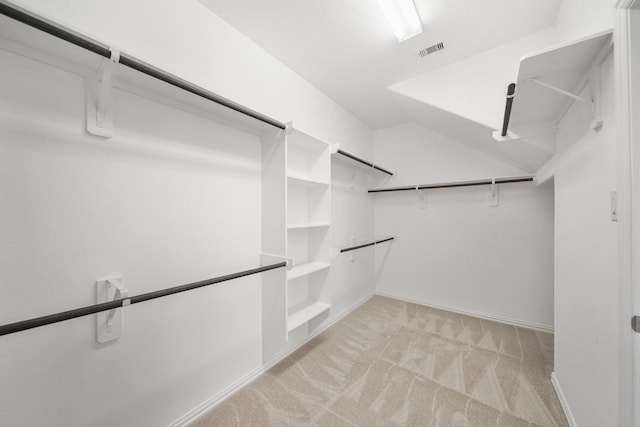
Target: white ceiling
(346,49)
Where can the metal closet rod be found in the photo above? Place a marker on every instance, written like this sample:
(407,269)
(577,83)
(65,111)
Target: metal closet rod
(129,61)
(487,181)
(511,93)
(96,308)
(353,248)
(364,162)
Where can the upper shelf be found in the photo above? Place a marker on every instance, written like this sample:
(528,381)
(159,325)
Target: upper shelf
(549,80)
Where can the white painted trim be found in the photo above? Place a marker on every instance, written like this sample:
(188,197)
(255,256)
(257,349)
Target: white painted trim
(219,397)
(563,400)
(493,317)
(626,391)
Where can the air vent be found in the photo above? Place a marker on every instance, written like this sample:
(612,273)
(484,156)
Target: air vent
(431,49)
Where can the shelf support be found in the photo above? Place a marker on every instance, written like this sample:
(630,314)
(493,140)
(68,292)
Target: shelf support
(100,98)
(422,198)
(492,199)
(109,323)
(595,80)
(557,89)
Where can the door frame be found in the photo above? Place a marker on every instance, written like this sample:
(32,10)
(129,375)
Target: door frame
(628,203)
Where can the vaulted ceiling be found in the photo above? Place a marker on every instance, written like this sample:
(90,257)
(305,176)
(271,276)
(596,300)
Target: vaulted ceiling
(347,50)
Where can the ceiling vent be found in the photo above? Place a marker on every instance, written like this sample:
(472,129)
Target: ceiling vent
(431,49)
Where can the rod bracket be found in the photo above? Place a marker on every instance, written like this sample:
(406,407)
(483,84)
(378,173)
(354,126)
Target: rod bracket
(492,199)
(100,98)
(109,323)
(422,198)
(266,259)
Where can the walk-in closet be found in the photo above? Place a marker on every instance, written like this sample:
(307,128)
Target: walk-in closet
(336,213)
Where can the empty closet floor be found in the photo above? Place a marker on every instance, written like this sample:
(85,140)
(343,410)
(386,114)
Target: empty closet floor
(395,363)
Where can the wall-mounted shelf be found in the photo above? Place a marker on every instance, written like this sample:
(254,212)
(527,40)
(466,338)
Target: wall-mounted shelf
(308,225)
(549,81)
(303,180)
(305,314)
(306,269)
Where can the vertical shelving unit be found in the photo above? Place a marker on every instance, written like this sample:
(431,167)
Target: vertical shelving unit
(296,217)
(308,174)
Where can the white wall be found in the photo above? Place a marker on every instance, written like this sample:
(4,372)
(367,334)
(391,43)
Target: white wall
(157,205)
(78,208)
(586,263)
(460,253)
(579,18)
(352,277)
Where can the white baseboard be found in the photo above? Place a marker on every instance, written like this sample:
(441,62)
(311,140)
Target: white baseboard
(219,397)
(495,318)
(278,357)
(563,400)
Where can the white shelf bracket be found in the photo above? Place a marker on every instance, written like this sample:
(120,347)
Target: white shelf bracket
(595,81)
(109,323)
(421,197)
(492,199)
(288,129)
(267,259)
(100,98)
(561,91)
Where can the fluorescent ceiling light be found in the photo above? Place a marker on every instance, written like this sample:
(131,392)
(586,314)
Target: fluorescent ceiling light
(402,17)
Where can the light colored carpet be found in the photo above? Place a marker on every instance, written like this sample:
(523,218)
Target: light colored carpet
(393,363)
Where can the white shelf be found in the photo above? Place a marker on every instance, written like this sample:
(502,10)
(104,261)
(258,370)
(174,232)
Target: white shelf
(306,269)
(300,179)
(537,108)
(302,316)
(308,225)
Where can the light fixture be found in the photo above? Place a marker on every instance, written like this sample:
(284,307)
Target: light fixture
(402,17)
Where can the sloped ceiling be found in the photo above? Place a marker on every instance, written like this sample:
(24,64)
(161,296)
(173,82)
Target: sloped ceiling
(346,49)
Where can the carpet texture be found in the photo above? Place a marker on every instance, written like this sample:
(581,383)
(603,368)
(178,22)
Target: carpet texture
(393,363)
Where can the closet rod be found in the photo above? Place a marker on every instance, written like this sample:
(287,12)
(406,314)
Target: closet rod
(358,159)
(511,92)
(92,309)
(353,248)
(129,61)
(486,181)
